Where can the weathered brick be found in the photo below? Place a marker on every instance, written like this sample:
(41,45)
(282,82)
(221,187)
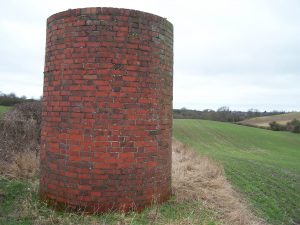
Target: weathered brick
(107,109)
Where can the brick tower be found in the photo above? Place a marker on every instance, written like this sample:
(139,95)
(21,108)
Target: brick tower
(107,110)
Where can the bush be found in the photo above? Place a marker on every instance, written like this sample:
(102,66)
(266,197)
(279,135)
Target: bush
(20,130)
(293,126)
(276,126)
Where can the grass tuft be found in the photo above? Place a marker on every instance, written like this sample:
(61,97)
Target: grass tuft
(24,165)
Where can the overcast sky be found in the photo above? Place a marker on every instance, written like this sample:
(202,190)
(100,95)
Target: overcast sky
(239,53)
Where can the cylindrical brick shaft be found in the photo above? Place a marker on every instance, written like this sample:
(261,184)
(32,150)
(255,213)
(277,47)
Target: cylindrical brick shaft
(107,110)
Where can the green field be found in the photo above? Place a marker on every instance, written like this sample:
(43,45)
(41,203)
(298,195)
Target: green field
(264,121)
(3,109)
(263,165)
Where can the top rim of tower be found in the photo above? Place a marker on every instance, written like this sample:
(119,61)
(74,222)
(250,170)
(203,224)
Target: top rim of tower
(106,11)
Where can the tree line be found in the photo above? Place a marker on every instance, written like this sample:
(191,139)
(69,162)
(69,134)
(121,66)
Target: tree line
(11,99)
(223,114)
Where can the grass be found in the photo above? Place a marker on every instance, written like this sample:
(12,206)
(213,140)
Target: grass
(201,195)
(20,205)
(262,164)
(199,177)
(265,120)
(19,202)
(3,109)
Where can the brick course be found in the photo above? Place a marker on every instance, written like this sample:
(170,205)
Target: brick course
(107,110)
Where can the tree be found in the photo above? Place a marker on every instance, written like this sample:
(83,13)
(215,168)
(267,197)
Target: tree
(293,126)
(276,126)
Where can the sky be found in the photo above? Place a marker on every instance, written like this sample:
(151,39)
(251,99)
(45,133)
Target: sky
(238,53)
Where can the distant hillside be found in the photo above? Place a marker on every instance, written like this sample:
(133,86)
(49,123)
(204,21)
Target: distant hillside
(223,114)
(266,120)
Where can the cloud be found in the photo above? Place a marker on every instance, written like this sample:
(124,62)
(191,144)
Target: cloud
(22,50)
(227,52)
(238,92)
(21,83)
(248,40)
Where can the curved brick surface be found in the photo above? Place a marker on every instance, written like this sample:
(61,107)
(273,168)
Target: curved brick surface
(107,109)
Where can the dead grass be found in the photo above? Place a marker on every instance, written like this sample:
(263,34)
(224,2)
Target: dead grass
(199,178)
(20,130)
(24,165)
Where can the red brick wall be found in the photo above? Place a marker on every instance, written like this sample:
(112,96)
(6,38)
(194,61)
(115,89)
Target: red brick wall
(107,109)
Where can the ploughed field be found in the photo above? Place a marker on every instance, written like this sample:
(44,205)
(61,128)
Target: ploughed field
(264,121)
(263,165)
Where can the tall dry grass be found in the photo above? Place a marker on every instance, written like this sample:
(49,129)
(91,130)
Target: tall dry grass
(23,165)
(200,178)
(19,140)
